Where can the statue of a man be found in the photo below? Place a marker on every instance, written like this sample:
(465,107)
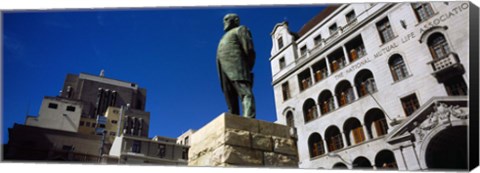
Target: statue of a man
(235,60)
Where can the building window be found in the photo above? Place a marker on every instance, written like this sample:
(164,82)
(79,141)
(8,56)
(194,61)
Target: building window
(333,138)
(385,30)
(282,63)
(317,39)
(185,153)
(112,133)
(423,11)
(161,150)
(356,48)
(87,124)
(351,16)
(333,29)
(456,86)
(290,120)
(381,126)
(315,145)
(365,83)
(345,93)
(305,79)
(286,91)
(397,67)
(52,105)
(410,104)
(438,46)
(114,121)
(186,142)
(303,51)
(337,60)
(115,111)
(82,123)
(320,70)
(94,124)
(136,146)
(71,108)
(309,110)
(326,102)
(280,42)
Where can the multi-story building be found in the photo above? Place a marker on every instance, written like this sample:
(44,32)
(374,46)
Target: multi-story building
(88,110)
(376,85)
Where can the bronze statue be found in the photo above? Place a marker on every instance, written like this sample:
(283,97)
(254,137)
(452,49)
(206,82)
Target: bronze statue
(235,60)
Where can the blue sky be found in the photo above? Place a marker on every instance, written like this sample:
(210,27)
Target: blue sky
(169,51)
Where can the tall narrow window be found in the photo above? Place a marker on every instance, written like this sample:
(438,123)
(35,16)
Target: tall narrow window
(410,104)
(161,150)
(385,30)
(290,120)
(282,63)
(185,153)
(136,146)
(280,43)
(286,91)
(397,67)
(438,46)
(315,145)
(423,11)
(456,86)
(317,39)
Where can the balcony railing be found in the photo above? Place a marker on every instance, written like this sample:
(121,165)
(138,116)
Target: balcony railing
(445,62)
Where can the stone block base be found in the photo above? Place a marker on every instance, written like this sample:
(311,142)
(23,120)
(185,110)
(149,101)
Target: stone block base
(231,140)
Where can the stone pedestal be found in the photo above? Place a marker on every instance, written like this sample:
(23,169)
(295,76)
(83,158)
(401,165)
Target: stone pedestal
(231,140)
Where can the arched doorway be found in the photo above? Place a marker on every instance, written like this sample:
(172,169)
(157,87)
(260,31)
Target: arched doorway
(362,163)
(385,160)
(448,149)
(339,166)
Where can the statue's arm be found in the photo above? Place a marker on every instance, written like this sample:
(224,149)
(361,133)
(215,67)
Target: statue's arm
(246,42)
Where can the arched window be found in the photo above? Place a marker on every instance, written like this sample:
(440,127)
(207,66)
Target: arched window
(326,102)
(376,123)
(290,120)
(438,46)
(354,131)
(385,160)
(361,163)
(344,93)
(365,83)
(397,67)
(333,138)
(309,110)
(315,145)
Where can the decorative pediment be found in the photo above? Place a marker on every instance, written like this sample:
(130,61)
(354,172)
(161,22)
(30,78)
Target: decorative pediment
(435,112)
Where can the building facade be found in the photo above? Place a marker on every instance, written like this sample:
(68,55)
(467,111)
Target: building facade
(128,149)
(90,112)
(376,85)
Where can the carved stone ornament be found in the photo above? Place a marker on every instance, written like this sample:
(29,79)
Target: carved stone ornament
(442,114)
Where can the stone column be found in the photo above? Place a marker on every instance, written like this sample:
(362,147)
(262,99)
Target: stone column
(335,101)
(355,93)
(345,55)
(345,144)
(325,146)
(365,132)
(327,63)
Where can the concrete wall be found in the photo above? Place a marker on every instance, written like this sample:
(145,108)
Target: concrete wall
(58,118)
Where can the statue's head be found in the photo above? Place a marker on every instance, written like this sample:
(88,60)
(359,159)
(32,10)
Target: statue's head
(230,21)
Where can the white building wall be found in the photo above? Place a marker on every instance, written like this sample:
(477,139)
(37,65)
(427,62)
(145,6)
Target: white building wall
(58,118)
(407,43)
